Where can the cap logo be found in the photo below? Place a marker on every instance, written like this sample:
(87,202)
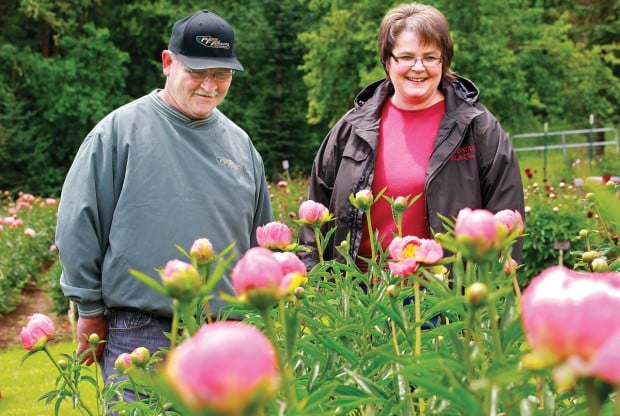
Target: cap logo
(212,42)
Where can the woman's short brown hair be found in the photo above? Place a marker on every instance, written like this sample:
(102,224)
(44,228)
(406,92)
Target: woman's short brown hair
(427,22)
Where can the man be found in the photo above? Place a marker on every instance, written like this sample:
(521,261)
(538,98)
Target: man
(163,170)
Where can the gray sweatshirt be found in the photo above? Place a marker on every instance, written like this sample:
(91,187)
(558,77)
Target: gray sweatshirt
(146,179)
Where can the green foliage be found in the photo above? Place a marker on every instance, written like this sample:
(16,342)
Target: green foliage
(51,283)
(558,211)
(553,216)
(65,64)
(354,342)
(22,384)
(65,95)
(341,49)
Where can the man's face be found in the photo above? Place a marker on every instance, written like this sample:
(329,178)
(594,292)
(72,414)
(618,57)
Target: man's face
(195,93)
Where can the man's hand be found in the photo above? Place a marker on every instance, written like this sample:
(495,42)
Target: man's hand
(85,328)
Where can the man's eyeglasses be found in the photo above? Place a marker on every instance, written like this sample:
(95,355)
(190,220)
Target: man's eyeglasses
(410,61)
(219,76)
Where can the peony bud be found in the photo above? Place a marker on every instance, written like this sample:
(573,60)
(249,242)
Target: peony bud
(299,292)
(201,250)
(600,265)
(589,256)
(93,340)
(123,363)
(140,356)
(392,291)
(400,204)
(363,199)
(181,279)
(476,294)
(511,221)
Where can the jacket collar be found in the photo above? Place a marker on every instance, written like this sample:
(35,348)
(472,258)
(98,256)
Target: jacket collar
(368,104)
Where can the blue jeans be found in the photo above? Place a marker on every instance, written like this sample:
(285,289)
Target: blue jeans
(128,330)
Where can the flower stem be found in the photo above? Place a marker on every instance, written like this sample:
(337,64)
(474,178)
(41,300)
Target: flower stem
(174,330)
(371,236)
(319,243)
(74,391)
(592,397)
(285,370)
(403,388)
(418,330)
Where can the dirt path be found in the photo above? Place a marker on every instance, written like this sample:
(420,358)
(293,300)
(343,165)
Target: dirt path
(33,300)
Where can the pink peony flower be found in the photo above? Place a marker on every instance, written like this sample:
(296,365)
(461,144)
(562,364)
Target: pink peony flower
(181,279)
(201,250)
(50,201)
(312,213)
(290,263)
(282,184)
(410,251)
(29,232)
(263,277)
(404,267)
(224,367)
(37,332)
(274,235)
(294,270)
(570,318)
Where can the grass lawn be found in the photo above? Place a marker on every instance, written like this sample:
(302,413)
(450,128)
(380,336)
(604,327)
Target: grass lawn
(22,384)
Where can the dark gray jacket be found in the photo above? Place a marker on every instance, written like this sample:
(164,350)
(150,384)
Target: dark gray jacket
(472,164)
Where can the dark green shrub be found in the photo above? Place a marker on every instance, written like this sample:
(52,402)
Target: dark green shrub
(553,214)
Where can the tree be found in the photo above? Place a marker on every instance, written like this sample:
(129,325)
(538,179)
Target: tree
(51,104)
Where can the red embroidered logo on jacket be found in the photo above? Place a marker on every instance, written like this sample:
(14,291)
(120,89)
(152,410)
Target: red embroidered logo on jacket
(464,153)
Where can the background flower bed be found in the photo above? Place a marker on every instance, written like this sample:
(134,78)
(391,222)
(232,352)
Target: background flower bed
(556,211)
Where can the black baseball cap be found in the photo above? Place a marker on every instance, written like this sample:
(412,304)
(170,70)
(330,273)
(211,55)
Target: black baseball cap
(204,40)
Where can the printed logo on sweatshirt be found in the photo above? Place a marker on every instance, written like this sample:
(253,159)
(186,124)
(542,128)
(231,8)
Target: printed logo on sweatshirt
(229,163)
(464,153)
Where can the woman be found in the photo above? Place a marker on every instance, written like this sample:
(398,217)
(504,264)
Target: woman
(419,131)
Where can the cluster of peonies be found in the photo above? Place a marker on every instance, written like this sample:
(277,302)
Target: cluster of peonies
(23,202)
(228,367)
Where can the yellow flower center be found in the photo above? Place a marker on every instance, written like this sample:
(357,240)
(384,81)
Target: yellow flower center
(409,251)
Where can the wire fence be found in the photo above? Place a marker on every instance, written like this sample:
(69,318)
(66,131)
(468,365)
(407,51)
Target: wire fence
(567,139)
